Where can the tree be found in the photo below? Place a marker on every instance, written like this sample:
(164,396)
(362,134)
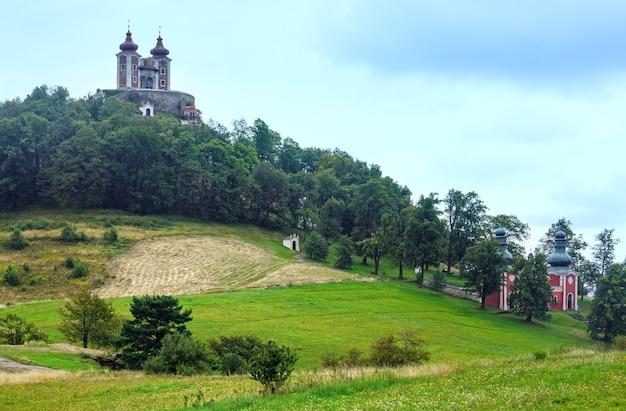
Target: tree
(11,276)
(370,247)
(344,252)
(604,250)
(89,319)
(154,317)
(331,213)
(465,214)
(316,247)
(179,354)
(272,365)
(517,232)
(15,330)
(531,294)
(425,234)
(439,281)
(608,308)
(483,268)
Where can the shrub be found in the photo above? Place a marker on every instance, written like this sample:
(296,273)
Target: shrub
(540,355)
(11,276)
(352,359)
(619,343)
(179,354)
(69,262)
(69,235)
(344,251)
(234,352)
(389,351)
(79,271)
(41,224)
(17,241)
(272,365)
(110,235)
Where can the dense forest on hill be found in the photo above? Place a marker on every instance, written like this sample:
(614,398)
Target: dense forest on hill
(96,152)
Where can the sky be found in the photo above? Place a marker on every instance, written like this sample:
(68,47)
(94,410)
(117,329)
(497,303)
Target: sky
(520,101)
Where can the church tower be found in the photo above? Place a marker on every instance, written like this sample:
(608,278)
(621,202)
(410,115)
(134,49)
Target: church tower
(162,64)
(128,64)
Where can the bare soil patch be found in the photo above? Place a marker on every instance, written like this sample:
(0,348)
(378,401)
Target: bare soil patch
(199,264)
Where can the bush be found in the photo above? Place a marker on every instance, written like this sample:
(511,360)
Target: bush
(352,359)
(79,271)
(619,343)
(69,262)
(389,351)
(110,235)
(234,353)
(272,365)
(42,224)
(17,241)
(181,355)
(69,235)
(11,276)
(344,251)
(540,355)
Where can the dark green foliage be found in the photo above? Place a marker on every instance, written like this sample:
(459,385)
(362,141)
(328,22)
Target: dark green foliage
(272,365)
(154,317)
(390,351)
(69,235)
(344,251)
(425,235)
(15,330)
(69,262)
(11,276)
(352,359)
(179,354)
(88,319)
(483,268)
(234,353)
(540,355)
(608,308)
(316,247)
(110,235)
(80,270)
(41,224)
(17,241)
(531,293)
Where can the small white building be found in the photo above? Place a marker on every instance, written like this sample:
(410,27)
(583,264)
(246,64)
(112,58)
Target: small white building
(292,242)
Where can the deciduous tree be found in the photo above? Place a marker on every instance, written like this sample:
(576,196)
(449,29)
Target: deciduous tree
(88,318)
(531,294)
(608,308)
(483,267)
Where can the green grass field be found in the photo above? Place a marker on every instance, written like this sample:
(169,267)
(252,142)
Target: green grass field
(481,359)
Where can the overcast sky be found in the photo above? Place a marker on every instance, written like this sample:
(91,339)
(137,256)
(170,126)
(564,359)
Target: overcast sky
(520,101)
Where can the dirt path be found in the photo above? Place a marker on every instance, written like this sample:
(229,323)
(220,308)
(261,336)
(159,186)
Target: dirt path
(199,264)
(10,365)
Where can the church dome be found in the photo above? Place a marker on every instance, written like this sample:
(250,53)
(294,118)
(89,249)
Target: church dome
(501,237)
(128,44)
(559,257)
(159,51)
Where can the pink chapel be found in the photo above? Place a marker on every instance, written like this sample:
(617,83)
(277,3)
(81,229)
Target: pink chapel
(562,278)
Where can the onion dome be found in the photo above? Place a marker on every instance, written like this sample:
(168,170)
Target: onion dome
(128,44)
(501,237)
(159,51)
(559,257)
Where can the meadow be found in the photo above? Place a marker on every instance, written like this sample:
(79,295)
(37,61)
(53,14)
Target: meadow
(481,359)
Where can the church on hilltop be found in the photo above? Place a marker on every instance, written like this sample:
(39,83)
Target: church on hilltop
(145,81)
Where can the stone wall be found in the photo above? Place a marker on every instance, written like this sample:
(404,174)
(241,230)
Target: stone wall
(164,101)
(454,291)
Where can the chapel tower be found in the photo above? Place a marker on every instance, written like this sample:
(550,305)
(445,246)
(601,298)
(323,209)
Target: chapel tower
(135,72)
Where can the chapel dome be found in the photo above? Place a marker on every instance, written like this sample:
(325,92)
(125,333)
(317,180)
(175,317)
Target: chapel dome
(159,50)
(128,44)
(559,257)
